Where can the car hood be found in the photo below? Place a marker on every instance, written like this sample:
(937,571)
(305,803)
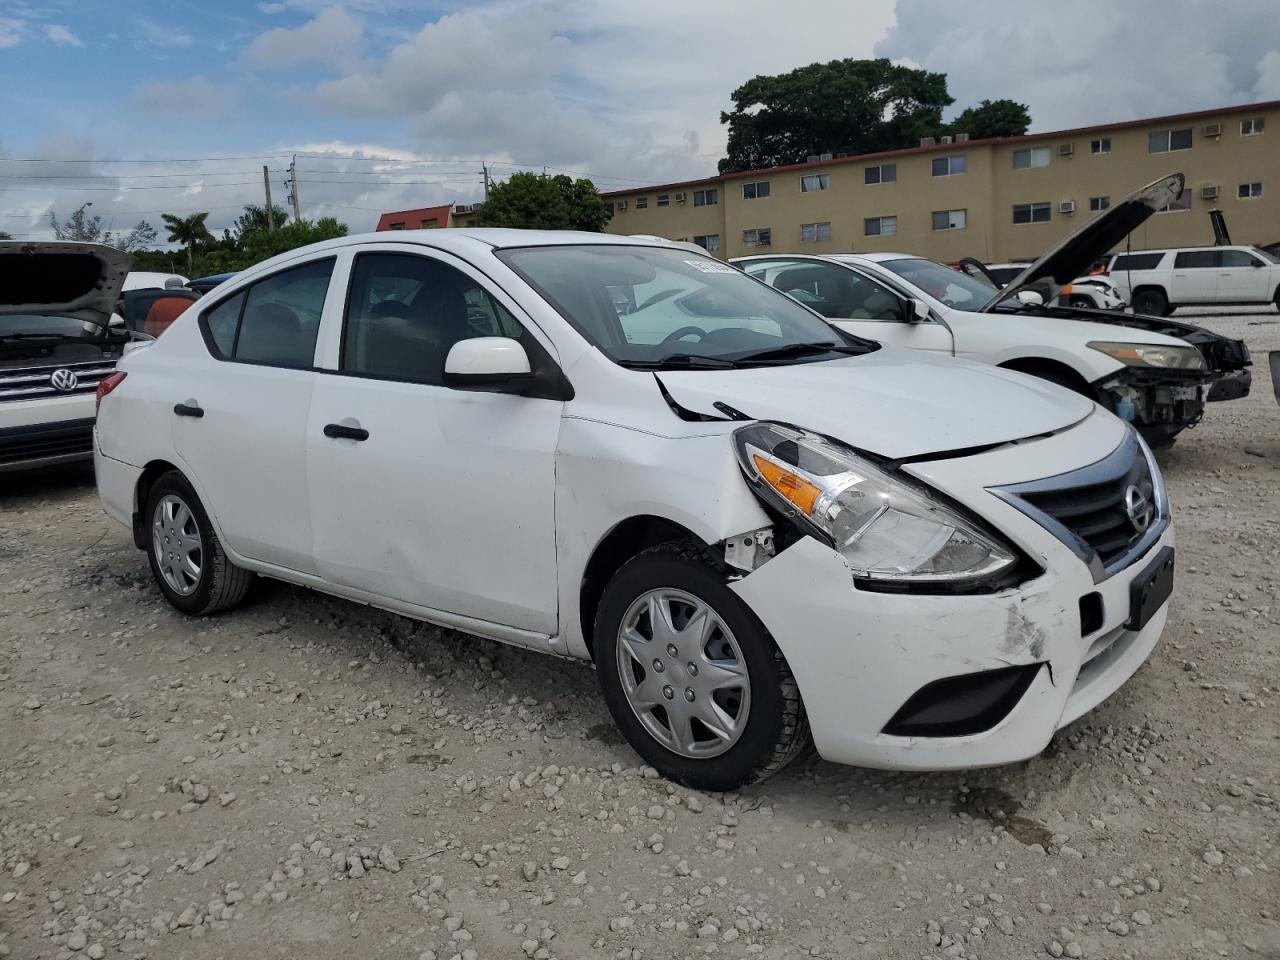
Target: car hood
(898,404)
(1074,255)
(61,278)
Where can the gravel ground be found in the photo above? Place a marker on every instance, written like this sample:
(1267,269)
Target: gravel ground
(306,776)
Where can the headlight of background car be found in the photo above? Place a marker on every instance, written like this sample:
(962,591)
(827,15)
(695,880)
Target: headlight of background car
(1149,355)
(887,529)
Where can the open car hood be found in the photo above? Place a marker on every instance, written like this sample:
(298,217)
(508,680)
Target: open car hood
(1073,256)
(895,403)
(61,278)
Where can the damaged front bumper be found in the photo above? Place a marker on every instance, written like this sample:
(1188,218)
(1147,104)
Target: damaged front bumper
(926,682)
(1161,402)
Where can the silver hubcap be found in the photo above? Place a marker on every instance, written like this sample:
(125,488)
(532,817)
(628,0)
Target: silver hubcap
(175,539)
(683,673)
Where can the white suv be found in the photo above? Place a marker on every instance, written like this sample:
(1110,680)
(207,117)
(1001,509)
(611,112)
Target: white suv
(1157,282)
(57,343)
(600,447)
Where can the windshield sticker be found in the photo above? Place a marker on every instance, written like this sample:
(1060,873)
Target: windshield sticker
(711,266)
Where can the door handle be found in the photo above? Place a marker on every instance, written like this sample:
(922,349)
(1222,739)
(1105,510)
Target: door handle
(188,410)
(337,431)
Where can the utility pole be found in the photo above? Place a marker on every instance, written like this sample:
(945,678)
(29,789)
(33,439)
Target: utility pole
(484,172)
(293,188)
(266,185)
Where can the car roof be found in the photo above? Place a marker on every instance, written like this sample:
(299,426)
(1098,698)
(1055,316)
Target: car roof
(1202,246)
(836,257)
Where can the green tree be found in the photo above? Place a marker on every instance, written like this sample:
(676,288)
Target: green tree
(5,236)
(190,231)
(534,201)
(844,106)
(992,118)
(81,226)
(142,235)
(254,220)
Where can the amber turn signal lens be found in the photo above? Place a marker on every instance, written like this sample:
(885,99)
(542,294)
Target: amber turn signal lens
(795,489)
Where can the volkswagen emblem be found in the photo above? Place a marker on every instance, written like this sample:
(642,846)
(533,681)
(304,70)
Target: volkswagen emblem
(1138,507)
(64,380)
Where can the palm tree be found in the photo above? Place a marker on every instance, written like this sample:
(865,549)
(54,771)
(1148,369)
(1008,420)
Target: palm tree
(189,231)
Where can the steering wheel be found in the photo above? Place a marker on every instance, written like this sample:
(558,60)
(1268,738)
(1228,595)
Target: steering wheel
(683,332)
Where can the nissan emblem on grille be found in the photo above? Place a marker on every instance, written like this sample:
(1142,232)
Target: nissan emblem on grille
(1138,507)
(64,379)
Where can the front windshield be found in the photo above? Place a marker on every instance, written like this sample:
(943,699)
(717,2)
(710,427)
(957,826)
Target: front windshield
(654,305)
(31,325)
(955,289)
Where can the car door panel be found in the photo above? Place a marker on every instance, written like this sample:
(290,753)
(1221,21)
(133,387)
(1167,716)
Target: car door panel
(449,501)
(232,410)
(1242,278)
(1195,276)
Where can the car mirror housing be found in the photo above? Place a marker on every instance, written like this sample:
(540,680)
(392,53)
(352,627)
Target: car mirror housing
(1030,298)
(917,311)
(495,364)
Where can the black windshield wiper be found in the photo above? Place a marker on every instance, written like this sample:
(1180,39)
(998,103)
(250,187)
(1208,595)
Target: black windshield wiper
(797,350)
(681,361)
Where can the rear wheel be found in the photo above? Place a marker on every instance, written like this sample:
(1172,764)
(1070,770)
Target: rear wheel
(1151,301)
(692,679)
(1077,300)
(187,560)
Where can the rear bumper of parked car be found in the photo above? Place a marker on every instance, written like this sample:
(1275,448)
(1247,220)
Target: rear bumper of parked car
(117,482)
(865,662)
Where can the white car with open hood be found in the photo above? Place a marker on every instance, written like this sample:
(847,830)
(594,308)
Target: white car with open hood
(1155,372)
(57,343)
(760,528)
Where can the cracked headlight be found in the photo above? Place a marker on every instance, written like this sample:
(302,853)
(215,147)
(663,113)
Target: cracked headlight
(886,528)
(1150,355)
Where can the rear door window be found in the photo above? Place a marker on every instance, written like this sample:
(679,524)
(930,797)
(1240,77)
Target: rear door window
(1137,261)
(1197,260)
(276,321)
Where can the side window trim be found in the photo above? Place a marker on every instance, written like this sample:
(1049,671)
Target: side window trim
(243,293)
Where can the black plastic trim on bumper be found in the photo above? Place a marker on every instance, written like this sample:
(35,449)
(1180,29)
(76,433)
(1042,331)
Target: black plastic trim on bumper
(46,441)
(1232,387)
(964,705)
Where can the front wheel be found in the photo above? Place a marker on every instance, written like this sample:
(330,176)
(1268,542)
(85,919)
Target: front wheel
(692,679)
(1151,302)
(187,560)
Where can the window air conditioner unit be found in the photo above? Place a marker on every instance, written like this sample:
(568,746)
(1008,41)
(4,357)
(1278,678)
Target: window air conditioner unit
(679,198)
(1209,193)
(946,138)
(826,156)
(1212,130)
(927,141)
(962,138)
(622,204)
(1066,149)
(462,208)
(1067,206)
(812,158)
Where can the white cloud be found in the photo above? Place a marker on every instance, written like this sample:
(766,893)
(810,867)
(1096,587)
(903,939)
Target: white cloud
(1268,85)
(62,35)
(12,31)
(332,36)
(197,100)
(151,33)
(1098,61)
(272,7)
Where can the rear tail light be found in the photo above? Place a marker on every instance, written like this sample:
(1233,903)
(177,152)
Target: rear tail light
(105,386)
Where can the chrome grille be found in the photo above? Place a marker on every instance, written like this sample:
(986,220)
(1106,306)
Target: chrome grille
(1087,508)
(36,382)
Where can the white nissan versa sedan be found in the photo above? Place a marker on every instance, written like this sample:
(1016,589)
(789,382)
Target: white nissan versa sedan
(760,528)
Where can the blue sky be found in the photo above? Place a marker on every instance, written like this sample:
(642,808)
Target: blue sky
(623,92)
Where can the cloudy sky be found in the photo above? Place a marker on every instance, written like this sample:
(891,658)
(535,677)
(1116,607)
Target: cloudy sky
(394,103)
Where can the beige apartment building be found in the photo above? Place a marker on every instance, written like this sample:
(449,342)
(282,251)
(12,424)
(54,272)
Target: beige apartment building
(1000,199)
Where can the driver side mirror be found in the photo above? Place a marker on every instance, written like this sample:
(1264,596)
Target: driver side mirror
(492,364)
(1029,298)
(917,311)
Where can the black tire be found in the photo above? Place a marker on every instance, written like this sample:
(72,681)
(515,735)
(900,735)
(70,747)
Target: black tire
(221,584)
(1151,301)
(776,730)
(1159,436)
(1076,300)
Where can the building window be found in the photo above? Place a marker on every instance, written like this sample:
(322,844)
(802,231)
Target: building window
(760,237)
(1030,157)
(1101,145)
(949,219)
(1099,203)
(815,232)
(1180,205)
(1165,141)
(664,199)
(815,182)
(1032,212)
(948,166)
(396,226)
(429,224)
(884,173)
(1252,125)
(880,226)
(756,190)
(706,198)
(1247,191)
(642,202)
(709,242)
